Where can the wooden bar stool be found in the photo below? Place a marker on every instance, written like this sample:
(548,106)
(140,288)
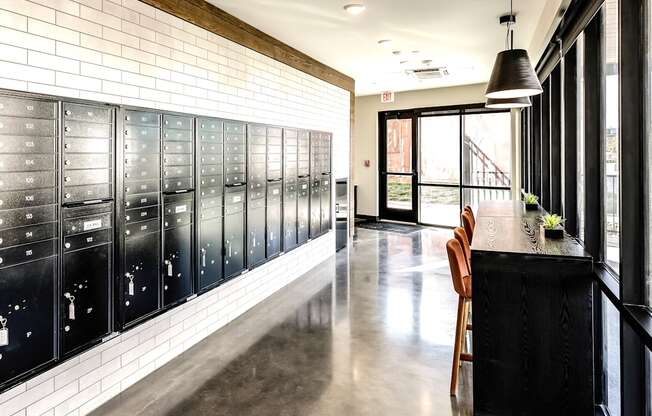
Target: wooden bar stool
(468,222)
(462,284)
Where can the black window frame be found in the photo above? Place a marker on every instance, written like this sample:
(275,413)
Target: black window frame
(624,288)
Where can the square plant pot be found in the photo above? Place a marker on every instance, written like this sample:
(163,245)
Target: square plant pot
(554,233)
(531,207)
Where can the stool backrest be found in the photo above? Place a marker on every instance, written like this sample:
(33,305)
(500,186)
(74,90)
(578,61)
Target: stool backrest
(459,271)
(469,225)
(470,210)
(460,236)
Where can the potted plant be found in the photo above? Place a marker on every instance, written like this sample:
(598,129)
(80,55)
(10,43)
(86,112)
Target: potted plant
(553,226)
(531,202)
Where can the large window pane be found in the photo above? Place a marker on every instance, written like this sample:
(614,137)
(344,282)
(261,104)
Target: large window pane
(580,135)
(610,168)
(399,192)
(611,355)
(399,146)
(439,205)
(487,150)
(473,197)
(439,141)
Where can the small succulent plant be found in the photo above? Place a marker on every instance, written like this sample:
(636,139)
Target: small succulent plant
(530,199)
(552,221)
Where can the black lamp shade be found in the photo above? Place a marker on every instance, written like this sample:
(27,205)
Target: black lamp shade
(513,76)
(519,102)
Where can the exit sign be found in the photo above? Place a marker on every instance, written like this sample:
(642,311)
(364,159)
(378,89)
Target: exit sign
(387,97)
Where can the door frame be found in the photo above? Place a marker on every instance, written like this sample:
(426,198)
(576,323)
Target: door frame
(413,216)
(393,214)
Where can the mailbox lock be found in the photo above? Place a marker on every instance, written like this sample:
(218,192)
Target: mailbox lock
(68,112)
(67,196)
(67,179)
(67,129)
(67,245)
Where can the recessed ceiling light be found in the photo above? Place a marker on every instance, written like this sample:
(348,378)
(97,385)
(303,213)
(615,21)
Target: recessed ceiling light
(415,52)
(403,62)
(384,42)
(397,53)
(354,8)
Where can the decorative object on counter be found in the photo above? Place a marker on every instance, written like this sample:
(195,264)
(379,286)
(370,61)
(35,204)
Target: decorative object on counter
(553,226)
(531,202)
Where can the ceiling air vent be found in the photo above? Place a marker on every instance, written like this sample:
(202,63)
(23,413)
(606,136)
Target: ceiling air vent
(428,73)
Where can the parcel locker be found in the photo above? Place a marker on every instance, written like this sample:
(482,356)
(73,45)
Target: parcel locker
(255,232)
(325,197)
(209,201)
(234,230)
(140,286)
(290,196)
(177,247)
(29,243)
(315,206)
(273,212)
(303,210)
(87,171)
(178,174)
(87,269)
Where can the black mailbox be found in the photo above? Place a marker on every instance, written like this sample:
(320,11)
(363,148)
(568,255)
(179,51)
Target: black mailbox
(85,297)
(29,243)
(177,247)
(140,286)
(234,230)
(210,193)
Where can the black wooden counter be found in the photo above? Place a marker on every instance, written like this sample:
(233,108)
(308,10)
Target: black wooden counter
(532,317)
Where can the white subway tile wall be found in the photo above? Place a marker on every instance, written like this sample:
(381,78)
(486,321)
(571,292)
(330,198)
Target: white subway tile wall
(83,383)
(126,52)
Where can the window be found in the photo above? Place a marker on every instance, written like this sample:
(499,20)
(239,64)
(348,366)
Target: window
(439,158)
(610,137)
(580,136)
(611,355)
(487,150)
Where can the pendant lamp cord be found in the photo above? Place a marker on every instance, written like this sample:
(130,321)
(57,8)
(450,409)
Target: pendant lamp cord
(509,40)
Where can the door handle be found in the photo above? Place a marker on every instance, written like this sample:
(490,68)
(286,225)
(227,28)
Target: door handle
(203,257)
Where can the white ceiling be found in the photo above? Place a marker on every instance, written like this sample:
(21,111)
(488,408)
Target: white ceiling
(462,35)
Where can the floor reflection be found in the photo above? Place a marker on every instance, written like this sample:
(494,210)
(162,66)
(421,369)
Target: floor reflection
(369,332)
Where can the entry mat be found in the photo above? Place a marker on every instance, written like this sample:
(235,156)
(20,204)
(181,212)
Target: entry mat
(388,226)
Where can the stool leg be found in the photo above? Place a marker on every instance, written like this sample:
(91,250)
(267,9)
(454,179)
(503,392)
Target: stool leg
(457,348)
(465,322)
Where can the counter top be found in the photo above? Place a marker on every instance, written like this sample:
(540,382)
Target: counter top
(506,227)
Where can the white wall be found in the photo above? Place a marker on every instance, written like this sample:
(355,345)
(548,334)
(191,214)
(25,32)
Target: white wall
(125,52)
(365,134)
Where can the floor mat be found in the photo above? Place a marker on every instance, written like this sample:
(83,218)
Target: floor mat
(388,226)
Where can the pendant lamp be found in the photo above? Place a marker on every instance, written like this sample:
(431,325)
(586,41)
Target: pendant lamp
(519,102)
(513,75)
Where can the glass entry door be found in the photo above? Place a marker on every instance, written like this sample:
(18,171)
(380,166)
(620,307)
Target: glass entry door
(398,178)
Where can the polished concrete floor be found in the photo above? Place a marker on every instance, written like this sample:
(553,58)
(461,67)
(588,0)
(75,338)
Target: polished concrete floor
(369,332)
